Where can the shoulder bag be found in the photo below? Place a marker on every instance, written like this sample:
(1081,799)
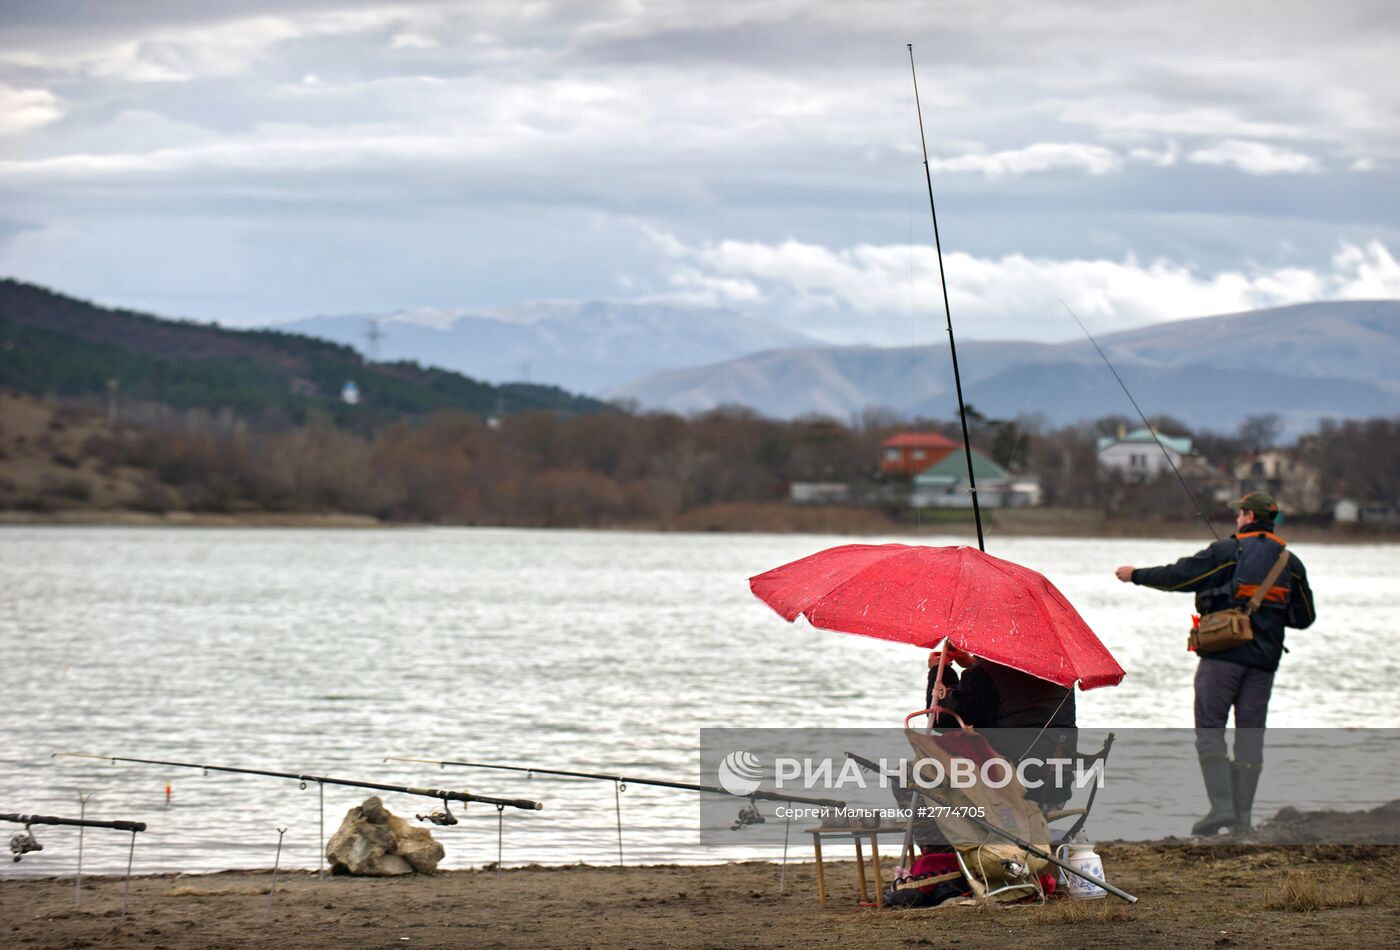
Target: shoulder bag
(1223,629)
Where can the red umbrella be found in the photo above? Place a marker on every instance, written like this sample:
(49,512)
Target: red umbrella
(923,595)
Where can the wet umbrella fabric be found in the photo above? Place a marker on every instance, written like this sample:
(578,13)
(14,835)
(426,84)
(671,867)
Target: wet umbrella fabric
(921,595)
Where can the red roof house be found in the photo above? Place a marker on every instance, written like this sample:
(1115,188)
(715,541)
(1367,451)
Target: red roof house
(909,453)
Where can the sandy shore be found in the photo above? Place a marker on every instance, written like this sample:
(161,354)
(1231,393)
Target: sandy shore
(1216,896)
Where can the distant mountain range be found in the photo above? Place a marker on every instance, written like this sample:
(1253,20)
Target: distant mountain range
(583,347)
(1303,362)
(52,345)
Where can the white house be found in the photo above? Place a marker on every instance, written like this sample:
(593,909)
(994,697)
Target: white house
(1136,455)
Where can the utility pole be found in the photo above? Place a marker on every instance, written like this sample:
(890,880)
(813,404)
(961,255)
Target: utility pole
(373,335)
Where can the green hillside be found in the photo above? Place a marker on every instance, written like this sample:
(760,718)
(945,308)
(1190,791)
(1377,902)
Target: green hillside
(56,346)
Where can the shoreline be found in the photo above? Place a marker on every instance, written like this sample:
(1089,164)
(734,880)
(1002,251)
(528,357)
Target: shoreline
(187,519)
(1190,896)
(766,519)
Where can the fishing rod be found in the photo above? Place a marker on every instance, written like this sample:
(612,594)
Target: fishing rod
(957,384)
(24,842)
(924,791)
(73,822)
(444,817)
(748,815)
(1143,416)
(952,346)
(625,780)
(445,795)
(1030,848)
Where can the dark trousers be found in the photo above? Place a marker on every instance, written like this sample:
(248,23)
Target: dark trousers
(1221,685)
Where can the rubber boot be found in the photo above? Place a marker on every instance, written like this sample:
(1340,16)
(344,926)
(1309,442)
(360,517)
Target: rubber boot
(1245,779)
(1220,788)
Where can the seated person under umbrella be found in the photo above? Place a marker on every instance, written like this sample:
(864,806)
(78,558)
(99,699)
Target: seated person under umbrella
(1020,715)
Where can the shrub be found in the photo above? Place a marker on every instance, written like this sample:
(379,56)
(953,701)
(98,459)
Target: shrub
(153,497)
(72,489)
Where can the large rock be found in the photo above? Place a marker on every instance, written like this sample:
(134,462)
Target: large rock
(374,843)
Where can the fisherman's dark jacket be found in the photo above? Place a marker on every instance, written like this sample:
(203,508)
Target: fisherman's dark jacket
(1227,574)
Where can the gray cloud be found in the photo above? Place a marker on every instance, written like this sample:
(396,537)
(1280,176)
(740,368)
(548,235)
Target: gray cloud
(291,158)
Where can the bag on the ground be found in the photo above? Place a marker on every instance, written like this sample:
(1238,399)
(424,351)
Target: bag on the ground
(934,878)
(930,896)
(1223,629)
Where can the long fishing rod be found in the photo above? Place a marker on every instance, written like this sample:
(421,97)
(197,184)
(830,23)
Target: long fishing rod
(625,780)
(444,817)
(947,312)
(1143,416)
(748,815)
(922,790)
(445,795)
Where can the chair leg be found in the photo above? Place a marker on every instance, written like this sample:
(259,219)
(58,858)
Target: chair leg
(860,873)
(875,858)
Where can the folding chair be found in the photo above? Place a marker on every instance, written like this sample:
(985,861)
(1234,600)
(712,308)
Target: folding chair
(995,868)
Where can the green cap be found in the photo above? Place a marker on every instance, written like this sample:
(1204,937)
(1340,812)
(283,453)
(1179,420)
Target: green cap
(1257,502)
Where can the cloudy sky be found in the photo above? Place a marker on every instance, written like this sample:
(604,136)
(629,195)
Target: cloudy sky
(253,162)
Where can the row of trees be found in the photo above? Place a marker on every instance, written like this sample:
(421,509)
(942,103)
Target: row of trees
(619,467)
(1357,458)
(529,469)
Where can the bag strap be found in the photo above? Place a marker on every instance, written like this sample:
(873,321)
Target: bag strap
(1273,575)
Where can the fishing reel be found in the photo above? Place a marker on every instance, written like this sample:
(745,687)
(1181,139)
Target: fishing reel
(748,815)
(441,816)
(23,842)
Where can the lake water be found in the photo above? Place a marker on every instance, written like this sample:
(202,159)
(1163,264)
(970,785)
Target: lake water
(322,651)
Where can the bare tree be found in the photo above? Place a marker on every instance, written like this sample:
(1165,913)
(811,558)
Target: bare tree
(1259,433)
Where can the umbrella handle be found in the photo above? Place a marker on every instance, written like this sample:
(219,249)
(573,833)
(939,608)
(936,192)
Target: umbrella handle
(934,710)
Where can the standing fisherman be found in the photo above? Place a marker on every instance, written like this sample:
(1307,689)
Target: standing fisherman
(1229,575)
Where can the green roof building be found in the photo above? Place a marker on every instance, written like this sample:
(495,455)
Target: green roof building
(944,485)
(953,470)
